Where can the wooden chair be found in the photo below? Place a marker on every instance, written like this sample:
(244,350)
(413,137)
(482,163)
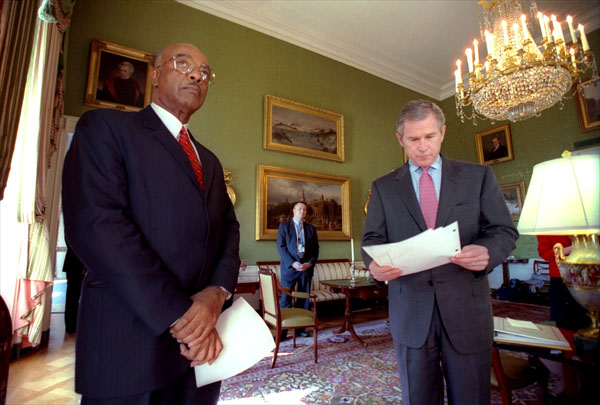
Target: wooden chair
(510,372)
(285,318)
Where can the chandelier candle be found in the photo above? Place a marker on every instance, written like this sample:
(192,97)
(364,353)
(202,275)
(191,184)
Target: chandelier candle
(521,78)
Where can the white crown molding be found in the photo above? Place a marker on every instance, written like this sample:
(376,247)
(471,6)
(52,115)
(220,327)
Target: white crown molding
(352,53)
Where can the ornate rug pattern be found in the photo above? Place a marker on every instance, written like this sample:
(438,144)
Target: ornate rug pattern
(346,373)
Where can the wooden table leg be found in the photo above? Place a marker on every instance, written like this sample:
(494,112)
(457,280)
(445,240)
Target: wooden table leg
(505,275)
(347,326)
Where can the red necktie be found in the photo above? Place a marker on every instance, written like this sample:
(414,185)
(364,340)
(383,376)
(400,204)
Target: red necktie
(429,203)
(186,144)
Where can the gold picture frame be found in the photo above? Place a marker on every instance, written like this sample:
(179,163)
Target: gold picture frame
(514,195)
(494,145)
(587,100)
(118,77)
(301,129)
(327,197)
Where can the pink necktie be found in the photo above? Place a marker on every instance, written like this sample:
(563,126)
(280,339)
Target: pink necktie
(186,144)
(429,203)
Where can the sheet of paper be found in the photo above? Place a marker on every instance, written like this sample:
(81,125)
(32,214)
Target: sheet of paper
(424,251)
(521,324)
(246,340)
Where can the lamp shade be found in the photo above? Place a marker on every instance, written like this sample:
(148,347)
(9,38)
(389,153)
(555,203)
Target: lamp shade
(563,198)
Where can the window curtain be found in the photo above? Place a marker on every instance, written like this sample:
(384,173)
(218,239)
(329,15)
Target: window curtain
(16,40)
(27,184)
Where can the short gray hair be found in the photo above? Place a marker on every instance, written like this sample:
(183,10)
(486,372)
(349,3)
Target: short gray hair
(128,65)
(418,110)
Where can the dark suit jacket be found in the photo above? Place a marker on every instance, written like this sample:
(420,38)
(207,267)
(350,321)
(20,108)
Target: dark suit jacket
(470,195)
(499,153)
(149,238)
(287,246)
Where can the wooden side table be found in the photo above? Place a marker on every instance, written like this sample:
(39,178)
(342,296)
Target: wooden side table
(361,289)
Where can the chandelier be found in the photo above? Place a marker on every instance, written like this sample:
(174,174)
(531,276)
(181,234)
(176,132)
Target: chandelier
(519,79)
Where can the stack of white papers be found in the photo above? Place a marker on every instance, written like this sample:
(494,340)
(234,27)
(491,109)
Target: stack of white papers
(527,333)
(427,250)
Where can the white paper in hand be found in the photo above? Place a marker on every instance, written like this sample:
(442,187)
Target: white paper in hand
(424,251)
(246,340)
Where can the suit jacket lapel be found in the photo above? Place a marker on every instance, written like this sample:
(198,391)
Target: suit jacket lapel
(293,238)
(447,196)
(151,121)
(406,192)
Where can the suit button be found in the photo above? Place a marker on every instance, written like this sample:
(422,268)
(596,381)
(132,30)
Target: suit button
(430,282)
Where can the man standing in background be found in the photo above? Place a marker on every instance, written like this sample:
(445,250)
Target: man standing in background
(147,211)
(298,247)
(441,318)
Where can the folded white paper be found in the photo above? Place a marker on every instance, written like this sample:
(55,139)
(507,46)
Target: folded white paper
(246,340)
(424,251)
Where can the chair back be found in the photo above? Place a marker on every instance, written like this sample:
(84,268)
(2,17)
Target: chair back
(269,296)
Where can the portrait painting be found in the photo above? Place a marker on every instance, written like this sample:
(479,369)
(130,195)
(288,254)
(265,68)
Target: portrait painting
(514,195)
(587,99)
(494,145)
(119,77)
(301,129)
(327,198)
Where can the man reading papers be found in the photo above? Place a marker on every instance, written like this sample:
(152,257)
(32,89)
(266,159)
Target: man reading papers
(441,319)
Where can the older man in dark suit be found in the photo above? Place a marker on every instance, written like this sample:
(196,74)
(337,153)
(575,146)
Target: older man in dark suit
(146,210)
(441,318)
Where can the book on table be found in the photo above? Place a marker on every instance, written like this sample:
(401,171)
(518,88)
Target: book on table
(527,333)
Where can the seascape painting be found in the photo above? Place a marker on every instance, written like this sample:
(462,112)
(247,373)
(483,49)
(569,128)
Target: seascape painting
(295,128)
(301,129)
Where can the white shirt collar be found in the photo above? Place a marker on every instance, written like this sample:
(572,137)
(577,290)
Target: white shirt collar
(436,165)
(171,122)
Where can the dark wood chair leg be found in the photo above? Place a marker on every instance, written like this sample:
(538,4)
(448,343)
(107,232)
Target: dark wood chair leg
(277,341)
(315,344)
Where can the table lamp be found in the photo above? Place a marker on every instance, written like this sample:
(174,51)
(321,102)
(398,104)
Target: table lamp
(563,199)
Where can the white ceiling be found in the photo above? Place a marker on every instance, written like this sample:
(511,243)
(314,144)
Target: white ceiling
(410,43)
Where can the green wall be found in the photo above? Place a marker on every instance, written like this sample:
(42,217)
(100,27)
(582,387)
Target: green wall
(250,65)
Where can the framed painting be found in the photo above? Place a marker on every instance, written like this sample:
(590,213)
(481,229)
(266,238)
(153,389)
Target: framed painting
(118,77)
(494,145)
(298,128)
(514,195)
(327,198)
(587,99)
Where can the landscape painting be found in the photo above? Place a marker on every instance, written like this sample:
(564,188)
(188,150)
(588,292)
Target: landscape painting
(304,130)
(326,196)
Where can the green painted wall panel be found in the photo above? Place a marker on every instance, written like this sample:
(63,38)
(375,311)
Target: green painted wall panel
(250,65)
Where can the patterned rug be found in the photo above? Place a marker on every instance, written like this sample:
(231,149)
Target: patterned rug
(346,373)
(519,310)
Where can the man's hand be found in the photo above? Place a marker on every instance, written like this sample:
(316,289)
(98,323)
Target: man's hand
(472,257)
(200,353)
(301,266)
(198,322)
(384,273)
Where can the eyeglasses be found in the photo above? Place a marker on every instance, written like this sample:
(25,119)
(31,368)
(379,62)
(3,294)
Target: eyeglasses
(185,65)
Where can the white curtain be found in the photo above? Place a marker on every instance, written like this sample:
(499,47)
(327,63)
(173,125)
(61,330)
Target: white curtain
(27,255)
